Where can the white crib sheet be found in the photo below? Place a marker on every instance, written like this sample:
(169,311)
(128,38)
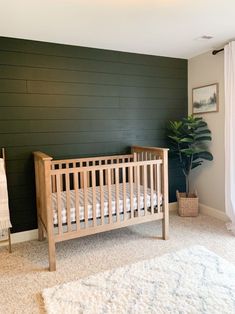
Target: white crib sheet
(98,207)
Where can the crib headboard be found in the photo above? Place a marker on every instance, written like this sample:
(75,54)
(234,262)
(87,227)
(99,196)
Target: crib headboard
(142,153)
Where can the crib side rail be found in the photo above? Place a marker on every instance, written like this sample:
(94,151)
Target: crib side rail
(107,186)
(89,162)
(92,161)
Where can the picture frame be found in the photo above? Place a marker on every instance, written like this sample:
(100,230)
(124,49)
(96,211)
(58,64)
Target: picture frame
(205,99)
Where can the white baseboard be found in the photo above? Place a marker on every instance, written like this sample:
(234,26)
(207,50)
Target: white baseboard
(22,237)
(207,210)
(33,234)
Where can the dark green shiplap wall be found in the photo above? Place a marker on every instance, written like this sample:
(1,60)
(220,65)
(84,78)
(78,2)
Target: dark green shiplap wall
(72,101)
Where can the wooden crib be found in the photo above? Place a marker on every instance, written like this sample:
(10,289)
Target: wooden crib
(79,197)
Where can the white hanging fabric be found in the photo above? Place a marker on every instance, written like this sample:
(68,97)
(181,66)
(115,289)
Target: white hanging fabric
(4,207)
(229,80)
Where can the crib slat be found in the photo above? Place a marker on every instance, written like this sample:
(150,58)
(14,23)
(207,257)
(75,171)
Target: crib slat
(101,176)
(112,172)
(128,169)
(151,187)
(117,193)
(77,204)
(59,210)
(158,188)
(142,170)
(93,182)
(146,156)
(134,160)
(53,182)
(81,177)
(124,191)
(145,189)
(109,195)
(106,173)
(85,198)
(138,188)
(131,191)
(68,201)
(88,175)
(154,174)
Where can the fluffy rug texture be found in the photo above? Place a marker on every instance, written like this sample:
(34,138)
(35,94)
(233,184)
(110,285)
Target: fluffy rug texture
(24,273)
(192,280)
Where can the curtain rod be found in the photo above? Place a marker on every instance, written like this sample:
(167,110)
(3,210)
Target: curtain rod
(214,52)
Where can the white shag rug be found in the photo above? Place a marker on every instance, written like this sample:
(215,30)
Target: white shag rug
(192,280)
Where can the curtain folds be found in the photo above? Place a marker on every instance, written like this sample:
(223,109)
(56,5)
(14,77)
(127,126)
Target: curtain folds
(229,79)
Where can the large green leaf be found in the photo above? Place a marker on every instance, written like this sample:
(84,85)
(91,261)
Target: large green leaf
(205,155)
(175,125)
(196,164)
(203,138)
(186,140)
(205,131)
(191,151)
(198,118)
(187,151)
(202,124)
(175,138)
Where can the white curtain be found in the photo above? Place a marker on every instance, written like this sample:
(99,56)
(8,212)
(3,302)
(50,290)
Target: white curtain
(229,77)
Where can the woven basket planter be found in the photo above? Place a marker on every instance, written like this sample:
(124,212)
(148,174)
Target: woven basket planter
(187,206)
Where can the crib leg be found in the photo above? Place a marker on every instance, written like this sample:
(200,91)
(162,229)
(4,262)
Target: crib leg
(165,226)
(52,260)
(41,236)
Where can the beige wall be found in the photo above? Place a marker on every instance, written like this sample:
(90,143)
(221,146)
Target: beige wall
(208,179)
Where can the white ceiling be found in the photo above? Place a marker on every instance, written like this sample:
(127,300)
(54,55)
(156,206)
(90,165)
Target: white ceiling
(156,27)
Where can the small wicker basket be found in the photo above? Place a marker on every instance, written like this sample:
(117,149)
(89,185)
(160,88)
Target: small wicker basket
(187,206)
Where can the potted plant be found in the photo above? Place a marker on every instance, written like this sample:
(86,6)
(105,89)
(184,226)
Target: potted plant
(188,138)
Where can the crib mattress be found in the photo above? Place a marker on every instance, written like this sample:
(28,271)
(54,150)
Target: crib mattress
(98,202)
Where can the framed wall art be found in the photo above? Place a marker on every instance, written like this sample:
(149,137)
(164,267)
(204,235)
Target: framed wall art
(205,99)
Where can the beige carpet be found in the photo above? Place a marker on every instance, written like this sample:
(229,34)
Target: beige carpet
(23,274)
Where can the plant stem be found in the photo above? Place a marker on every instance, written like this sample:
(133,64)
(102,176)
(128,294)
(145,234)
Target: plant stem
(187,185)
(181,160)
(180,155)
(189,171)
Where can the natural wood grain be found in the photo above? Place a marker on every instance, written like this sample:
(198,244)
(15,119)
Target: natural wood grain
(124,190)
(101,177)
(68,201)
(93,198)
(58,194)
(77,207)
(117,194)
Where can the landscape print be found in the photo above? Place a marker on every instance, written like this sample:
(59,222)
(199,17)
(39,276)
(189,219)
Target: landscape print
(205,99)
